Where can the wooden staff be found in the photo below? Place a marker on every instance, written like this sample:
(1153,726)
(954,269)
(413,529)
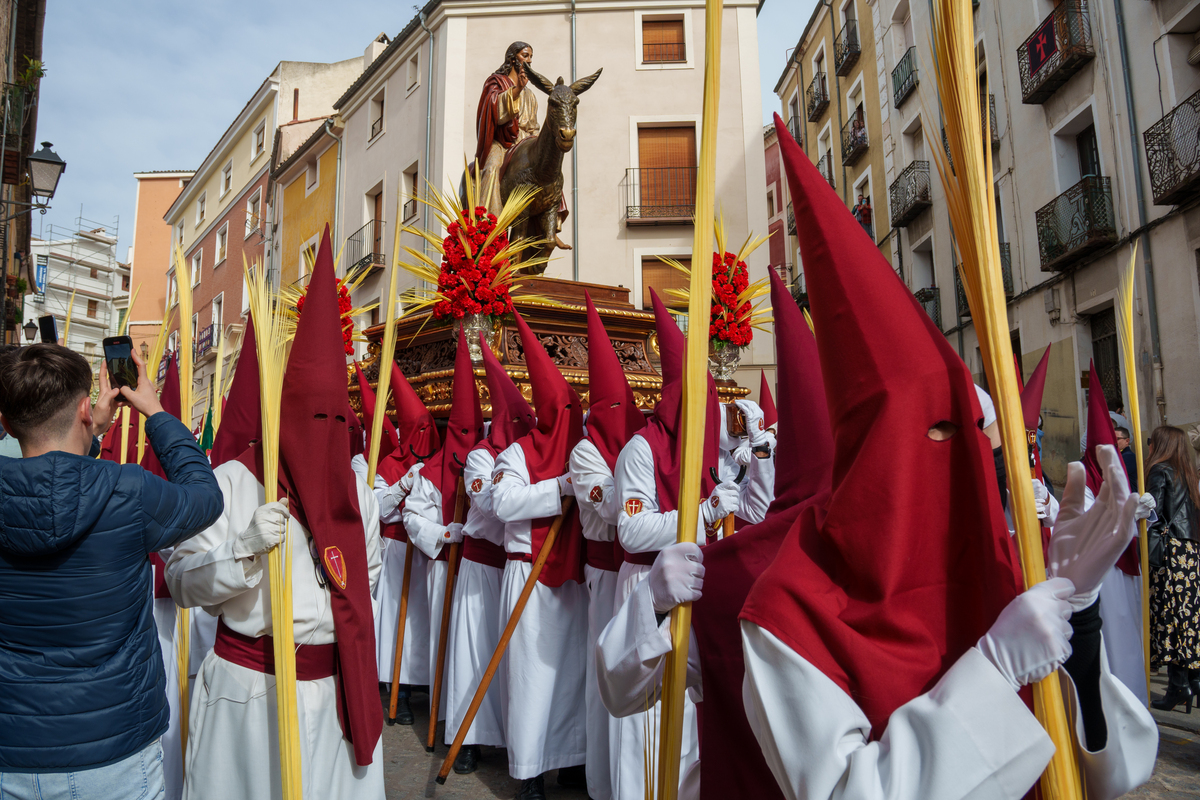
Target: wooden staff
(394,699)
(460,502)
(513,619)
(124,457)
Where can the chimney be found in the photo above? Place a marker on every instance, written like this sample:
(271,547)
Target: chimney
(375,48)
(295,104)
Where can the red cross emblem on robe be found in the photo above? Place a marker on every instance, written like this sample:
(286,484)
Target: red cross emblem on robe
(633,506)
(335,566)
(477,485)
(596,495)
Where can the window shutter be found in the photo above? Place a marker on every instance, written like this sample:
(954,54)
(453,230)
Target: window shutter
(667,161)
(660,277)
(662,40)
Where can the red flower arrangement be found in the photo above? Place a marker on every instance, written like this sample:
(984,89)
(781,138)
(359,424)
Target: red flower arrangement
(730,321)
(468,277)
(345,308)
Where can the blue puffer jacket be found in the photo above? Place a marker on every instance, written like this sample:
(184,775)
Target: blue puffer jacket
(81,673)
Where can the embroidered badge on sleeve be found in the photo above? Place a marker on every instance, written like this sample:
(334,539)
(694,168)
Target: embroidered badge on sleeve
(633,506)
(596,495)
(477,485)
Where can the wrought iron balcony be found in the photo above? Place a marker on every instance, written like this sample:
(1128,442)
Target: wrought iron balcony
(664,52)
(960,296)
(206,342)
(410,209)
(904,76)
(1077,222)
(791,223)
(660,195)
(825,167)
(817,97)
(1173,152)
(986,113)
(846,49)
(794,128)
(364,249)
(854,140)
(377,127)
(931,300)
(909,194)
(1006,268)
(1059,48)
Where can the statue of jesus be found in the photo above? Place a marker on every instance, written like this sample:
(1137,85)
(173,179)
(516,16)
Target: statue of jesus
(506,115)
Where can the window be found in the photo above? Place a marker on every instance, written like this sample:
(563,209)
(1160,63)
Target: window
(770,203)
(414,72)
(179,233)
(1106,357)
(377,228)
(92,307)
(253,212)
(377,115)
(227,179)
(124,283)
(312,172)
(667,167)
(172,292)
(121,314)
(172,343)
(660,277)
(196,267)
(217,307)
(200,208)
(1089,152)
(260,140)
(663,41)
(195,328)
(93,273)
(222,244)
(411,190)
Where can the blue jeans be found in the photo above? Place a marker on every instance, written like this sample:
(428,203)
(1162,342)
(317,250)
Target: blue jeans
(139,777)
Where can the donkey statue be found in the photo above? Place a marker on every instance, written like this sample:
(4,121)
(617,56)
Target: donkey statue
(537,162)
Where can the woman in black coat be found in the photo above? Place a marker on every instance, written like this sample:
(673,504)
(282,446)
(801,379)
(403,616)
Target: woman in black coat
(1174,566)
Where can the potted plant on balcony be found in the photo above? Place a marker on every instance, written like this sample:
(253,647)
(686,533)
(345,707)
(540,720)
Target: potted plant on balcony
(734,313)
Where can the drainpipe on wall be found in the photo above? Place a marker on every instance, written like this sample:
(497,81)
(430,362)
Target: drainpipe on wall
(837,85)
(337,181)
(574,171)
(428,127)
(1156,353)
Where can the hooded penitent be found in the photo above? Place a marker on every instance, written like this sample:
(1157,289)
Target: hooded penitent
(389,440)
(663,429)
(111,450)
(241,421)
(512,416)
(733,564)
(547,449)
(1031,411)
(171,401)
(355,427)
(613,417)
(464,429)
(765,401)
(1100,431)
(314,456)
(912,562)
(416,432)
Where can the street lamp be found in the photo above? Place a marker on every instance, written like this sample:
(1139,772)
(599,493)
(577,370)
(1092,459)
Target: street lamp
(31,330)
(45,168)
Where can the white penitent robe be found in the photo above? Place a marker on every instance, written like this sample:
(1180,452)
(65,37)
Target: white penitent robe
(232,750)
(426,532)
(415,669)
(646,531)
(969,736)
(172,743)
(629,658)
(475,617)
(596,494)
(544,706)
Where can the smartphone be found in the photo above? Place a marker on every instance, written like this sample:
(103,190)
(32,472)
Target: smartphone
(49,329)
(122,370)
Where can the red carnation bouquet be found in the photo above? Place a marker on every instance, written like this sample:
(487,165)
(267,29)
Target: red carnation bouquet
(468,280)
(345,308)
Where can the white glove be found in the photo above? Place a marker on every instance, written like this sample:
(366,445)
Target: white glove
(1047,507)
(266,530)
(743,454)
(453,534)
(721,503)
(1084,547)
(676,577)
(1145,507)
(755,428)
(1032,637)
(406,483)
(565,487)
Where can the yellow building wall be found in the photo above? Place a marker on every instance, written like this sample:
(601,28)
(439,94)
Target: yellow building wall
(306,216)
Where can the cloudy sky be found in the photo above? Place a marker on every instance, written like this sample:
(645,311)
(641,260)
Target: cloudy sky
(138,85)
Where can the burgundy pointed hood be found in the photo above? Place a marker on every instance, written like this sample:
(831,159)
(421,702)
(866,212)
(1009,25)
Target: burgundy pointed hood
(1031,393)
(512,416)
(417,436)
(389,440)
(1099,431)
(170,400)
(613,415)
(241,419)
(547,449)
(912,562)
(314,456)
(464,429)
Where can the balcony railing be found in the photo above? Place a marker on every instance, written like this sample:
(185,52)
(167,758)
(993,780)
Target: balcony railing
(162,367)
(1058,49)
(410,209)
(207,341)
(376,127)
(904,76)
(1077,222)
(660,195)
(931,300)
(909,194)
(846,49)
(663,52)
(1173,152)
(364,249)
(984,112)
(960,296)
(817,97)
(854,140)
(825,167)
(1006,268)
(791,223)
(794,128)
